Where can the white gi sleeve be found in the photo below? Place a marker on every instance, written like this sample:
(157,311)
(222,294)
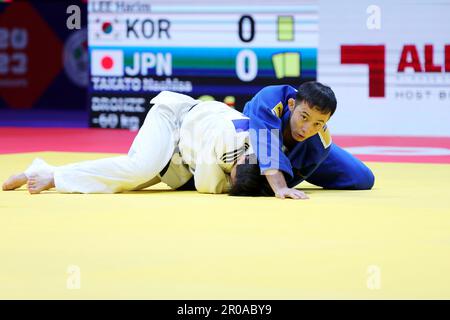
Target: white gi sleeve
(210,178)
(227,147)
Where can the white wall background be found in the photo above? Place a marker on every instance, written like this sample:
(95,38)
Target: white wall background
(415,104)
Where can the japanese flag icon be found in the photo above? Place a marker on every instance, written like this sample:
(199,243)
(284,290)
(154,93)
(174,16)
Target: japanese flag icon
(107,63)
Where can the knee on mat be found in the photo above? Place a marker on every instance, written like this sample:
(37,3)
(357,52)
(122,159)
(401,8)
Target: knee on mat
(365,180)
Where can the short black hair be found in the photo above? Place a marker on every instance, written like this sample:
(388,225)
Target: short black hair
(249,180)
(318,96)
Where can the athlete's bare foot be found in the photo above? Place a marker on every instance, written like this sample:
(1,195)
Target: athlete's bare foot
(40,182)
(14,182)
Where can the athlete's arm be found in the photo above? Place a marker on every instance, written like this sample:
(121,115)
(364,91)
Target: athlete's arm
(264,111)
(209,176)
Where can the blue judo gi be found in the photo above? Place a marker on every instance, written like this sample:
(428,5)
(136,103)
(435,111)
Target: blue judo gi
(317,159)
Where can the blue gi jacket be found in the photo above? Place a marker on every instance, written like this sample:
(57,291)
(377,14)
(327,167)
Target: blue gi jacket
(269,114)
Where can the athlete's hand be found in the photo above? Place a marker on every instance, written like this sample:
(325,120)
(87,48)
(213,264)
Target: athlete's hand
(278,184)
(290,193)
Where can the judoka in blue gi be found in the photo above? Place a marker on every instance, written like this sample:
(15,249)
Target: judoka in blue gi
(292,143)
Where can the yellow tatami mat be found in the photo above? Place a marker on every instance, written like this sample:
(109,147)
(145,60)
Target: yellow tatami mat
(391,242)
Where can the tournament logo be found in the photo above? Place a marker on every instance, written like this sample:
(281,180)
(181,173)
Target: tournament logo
(27,66)
(76,58)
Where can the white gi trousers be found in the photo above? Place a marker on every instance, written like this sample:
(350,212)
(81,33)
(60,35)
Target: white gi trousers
(151,151)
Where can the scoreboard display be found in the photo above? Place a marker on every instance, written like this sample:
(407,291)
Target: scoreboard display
(208,50)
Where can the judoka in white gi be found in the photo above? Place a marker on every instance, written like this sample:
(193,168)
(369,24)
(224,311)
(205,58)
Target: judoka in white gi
(181,137)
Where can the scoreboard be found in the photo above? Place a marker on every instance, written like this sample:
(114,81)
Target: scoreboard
(205,49)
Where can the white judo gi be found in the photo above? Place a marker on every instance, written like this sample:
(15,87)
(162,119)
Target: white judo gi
(212,137)
(180,137)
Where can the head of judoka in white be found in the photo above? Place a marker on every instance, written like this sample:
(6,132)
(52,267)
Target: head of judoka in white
(247,180)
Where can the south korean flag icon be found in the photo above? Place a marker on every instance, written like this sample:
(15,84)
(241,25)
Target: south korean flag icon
(107,63)
(107,29)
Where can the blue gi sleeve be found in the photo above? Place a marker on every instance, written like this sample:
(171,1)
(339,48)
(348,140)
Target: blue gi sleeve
(266,134)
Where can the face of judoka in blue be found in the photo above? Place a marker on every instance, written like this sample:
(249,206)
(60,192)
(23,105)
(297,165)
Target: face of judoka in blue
(305,120)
